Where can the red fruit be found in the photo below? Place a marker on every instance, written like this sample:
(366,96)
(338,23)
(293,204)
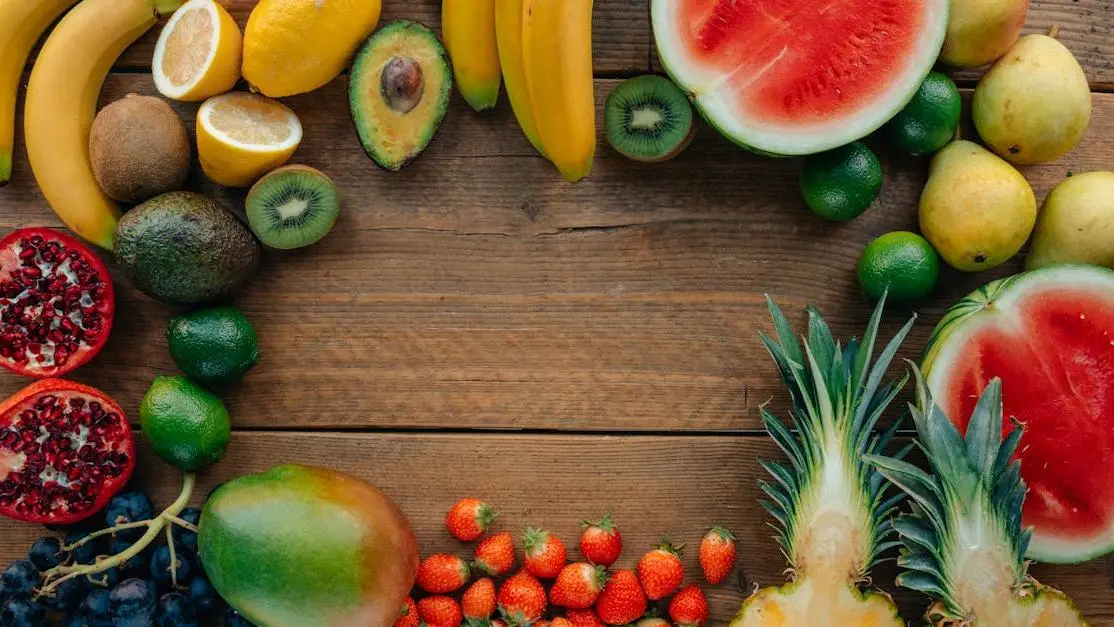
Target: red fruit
(652,621)
(479,599)
(717,554)
(495,554)
(409,617)
(469,519)
(578,585)
(545,553)
(560,621)
(39,428)
(583,618)
(440,611)
(498,622)
(522,599)
(56,303)
(660,571)
(689,607)
(601,543)
(622,600)
(541,623)
(441,573)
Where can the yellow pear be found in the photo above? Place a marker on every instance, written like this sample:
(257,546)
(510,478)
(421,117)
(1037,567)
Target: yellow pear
(976,209)
(980,31)
(1076,223)
(1034,104)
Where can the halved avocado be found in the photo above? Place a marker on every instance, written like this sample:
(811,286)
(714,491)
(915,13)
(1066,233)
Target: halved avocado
(399,91)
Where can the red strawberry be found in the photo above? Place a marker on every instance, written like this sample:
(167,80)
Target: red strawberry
(601,543)
(479,599)
(561,621)
(541,623)
(622,600)
(717,554)
(498,622)
(661,571)
(583,618)
(652,621)
(409,617)
(521,599)
(545,553)
(440,611)
(495,554)
(689,607)
(441,573)
(468,519)
(578,585)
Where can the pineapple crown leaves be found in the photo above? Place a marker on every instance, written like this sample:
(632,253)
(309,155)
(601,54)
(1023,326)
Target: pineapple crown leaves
(973,485)
(837,396)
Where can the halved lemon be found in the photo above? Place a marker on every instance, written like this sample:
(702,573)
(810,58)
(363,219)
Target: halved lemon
(198,53)
(242,136)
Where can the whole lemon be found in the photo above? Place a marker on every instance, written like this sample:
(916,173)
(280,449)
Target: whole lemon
(295,46)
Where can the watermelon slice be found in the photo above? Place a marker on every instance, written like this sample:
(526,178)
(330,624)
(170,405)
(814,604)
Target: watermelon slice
(796,77)
(1049,335)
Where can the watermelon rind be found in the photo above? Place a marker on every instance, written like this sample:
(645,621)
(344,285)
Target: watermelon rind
(986,305)
(777,140)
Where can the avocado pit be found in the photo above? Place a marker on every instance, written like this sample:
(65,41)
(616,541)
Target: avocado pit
(402,83)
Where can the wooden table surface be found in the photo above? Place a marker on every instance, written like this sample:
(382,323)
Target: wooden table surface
(476,326)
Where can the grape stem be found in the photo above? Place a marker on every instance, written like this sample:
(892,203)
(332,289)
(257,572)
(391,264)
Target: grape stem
(169,516)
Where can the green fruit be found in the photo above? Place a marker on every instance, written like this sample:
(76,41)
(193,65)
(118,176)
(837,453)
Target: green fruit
(307,547)
(184,248)
(292,206)
(214,346)
(187,425)
(930,119)
(648,119)
(840,184)
(901,262)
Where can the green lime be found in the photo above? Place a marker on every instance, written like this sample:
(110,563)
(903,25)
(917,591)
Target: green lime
(186,424)
(214,346)
(902,262)
(929,121)
(840,184)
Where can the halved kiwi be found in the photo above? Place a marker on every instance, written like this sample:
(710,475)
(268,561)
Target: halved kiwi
(293,206)
(648,118)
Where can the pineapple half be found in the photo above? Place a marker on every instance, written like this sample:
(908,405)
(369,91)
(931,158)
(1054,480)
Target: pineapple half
(963,543)
(831,507)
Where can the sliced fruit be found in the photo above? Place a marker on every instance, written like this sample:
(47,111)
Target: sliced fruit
(468,28)
(56,303)
(198,52)
(964,543)
(648,119)
(399,92)
(1049,336)
(842,183)
(800,76)
(139,148)
(242,136)
(292,206)
(65,450)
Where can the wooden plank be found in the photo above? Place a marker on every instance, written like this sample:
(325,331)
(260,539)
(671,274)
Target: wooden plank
(652,485)
(476,289)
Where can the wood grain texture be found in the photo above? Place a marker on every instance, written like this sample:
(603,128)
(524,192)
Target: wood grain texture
(652,486)
(477,289)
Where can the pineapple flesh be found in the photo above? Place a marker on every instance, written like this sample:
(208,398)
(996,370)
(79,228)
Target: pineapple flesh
(831,507)
(963,544)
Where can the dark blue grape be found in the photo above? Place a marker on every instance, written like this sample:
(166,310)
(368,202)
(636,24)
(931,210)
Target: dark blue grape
(160,567)
(137,565)
(105,579)
(185,537)
(232,618)
(128,507)
(202,595)
(19,578)
(21,612)
(74,620)
(86,553)
(46,553)
(175,610)
(96,609)
(132,603)
(68,595)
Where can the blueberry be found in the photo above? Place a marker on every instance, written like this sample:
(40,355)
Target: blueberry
(19,578)
(96,609)
(128,507)
(232,618)
(174,610)
(21,612)
(86,553)
(68,595)
(132,602)
(105,579)
(160,566)
(46,553)
(185,537)
(137,565)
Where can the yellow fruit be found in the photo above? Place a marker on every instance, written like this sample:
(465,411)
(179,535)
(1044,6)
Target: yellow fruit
(1076,223)
(980,31)
(295,46)
(508,33)
(62,101)
(468,28)
(242,136)
(557,57)
(198,53)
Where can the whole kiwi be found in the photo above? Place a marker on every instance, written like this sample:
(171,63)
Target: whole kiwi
(139,148)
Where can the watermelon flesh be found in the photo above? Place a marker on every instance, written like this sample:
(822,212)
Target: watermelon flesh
(795,77)
(1049,335)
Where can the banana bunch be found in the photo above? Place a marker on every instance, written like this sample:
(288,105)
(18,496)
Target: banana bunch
(62,96)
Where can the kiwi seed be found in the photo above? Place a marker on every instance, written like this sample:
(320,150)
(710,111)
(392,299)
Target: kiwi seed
(647,118)
(292,206)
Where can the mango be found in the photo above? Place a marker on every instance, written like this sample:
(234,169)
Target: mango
(1076,223)
(980,31)
(298,546)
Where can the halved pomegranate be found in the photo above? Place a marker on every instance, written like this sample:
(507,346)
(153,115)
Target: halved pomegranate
(56,303)
(65,450)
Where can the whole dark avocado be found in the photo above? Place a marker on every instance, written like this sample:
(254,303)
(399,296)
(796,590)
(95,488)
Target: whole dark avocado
(184,248)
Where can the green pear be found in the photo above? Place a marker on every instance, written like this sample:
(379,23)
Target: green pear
(980,31)
(976,210)
(1034,104)
(1076,223)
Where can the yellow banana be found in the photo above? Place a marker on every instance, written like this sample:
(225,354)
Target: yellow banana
(468,28)
(508,34)
(23,22)
(557,57)
(62,101)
